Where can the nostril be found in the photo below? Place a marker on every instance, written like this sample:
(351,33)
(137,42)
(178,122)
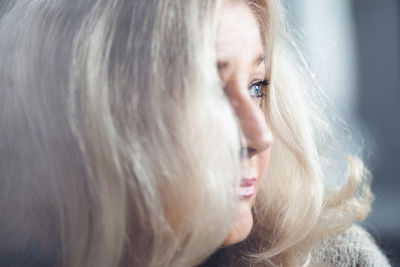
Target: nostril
(251,152)
(248,152)
(256,146)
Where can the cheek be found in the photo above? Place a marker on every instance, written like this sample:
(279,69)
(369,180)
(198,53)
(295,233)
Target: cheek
(263,159)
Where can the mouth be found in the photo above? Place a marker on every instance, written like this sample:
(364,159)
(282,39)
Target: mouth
(247,187)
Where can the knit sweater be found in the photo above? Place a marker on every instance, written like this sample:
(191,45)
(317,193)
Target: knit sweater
(355,248)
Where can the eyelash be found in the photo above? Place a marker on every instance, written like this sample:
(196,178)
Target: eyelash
(258,92)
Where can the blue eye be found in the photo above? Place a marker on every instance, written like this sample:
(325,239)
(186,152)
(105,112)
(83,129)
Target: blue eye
(256,89)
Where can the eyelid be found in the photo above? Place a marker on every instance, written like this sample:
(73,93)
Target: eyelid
(262,84)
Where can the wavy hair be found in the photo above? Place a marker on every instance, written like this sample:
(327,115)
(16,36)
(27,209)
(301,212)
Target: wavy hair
(294,209)
(118,146)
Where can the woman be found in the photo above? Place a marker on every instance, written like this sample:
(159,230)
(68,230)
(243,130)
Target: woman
(138,133)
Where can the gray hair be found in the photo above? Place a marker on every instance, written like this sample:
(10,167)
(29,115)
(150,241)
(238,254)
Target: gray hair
(115,136)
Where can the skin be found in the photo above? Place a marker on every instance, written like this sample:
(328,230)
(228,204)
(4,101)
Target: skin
(240,57)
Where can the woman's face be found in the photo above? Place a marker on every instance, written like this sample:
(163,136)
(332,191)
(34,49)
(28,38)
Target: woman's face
(241,66)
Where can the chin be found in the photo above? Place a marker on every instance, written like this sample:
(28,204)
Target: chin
(242,225)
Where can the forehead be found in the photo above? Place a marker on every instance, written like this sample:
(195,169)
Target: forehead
(238,32)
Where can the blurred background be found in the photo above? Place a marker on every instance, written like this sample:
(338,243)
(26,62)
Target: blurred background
(354,46)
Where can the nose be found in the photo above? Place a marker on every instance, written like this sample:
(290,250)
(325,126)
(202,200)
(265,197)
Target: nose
(257,133)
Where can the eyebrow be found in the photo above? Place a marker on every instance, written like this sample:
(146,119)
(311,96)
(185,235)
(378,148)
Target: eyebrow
(260,59)
(221,65)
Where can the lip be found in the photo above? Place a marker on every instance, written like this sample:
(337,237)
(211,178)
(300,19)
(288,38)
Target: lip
(247,187)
